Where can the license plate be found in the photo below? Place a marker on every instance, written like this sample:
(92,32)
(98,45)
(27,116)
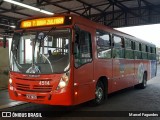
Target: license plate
(31,96)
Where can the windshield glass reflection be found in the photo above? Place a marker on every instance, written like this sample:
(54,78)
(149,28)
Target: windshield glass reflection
(41,52)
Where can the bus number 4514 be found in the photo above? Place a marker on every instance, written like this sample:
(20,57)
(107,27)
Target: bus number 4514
(44,83)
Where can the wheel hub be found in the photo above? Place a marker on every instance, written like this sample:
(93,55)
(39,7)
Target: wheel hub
(99,93)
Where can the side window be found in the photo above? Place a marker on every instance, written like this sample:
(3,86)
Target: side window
(151,50)
(132,45)
(147,48)
(128,44)
(118,49)
(154,50)
(103,44)
(82,48)
(118,43)
(144,52)
(140,47)
(129,49)
(143,48)
(152,55)
(137,52)
(137,46)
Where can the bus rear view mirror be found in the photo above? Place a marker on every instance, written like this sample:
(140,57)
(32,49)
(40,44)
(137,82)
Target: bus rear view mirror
(40,36)
(4,41)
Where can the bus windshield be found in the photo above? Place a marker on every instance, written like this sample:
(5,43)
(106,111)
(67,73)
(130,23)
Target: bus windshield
(41,52)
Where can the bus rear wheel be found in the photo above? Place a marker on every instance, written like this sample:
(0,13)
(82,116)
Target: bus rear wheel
(99,94)
(144,82)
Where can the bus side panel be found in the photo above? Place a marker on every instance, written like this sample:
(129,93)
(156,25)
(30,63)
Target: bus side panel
(118,71)
(103,67)
(129,72)
(140,67)
(153,68)
(123,74)
(83,83)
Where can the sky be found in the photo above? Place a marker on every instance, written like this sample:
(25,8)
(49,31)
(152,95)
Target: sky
(150,33)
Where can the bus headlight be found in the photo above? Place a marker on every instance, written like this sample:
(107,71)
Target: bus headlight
(10,81)
(10,84)
(64,81)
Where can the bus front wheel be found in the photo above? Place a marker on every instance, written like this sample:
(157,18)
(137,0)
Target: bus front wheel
(99,94)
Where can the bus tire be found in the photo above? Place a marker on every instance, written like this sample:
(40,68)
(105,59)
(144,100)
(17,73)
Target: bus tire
(144,82)
(99,94)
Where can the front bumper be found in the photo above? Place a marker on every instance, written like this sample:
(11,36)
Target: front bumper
(56,97)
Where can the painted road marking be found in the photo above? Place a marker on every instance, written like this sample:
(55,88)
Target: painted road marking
(11,104)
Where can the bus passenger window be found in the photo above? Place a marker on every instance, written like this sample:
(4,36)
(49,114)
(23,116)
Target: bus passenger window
(144,52)
(128,44)
(140,47)
(143,48)
(118,43)
(82,48)
(118,50)
(137,52)
(129,49)
(147,48)
(103,44)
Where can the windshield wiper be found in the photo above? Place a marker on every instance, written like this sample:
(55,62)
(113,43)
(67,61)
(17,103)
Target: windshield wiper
(36,39)
(53,28)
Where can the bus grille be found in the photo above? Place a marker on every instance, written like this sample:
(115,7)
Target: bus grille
(34,88)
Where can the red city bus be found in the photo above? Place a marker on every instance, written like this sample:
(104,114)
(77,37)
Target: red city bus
(67,60)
